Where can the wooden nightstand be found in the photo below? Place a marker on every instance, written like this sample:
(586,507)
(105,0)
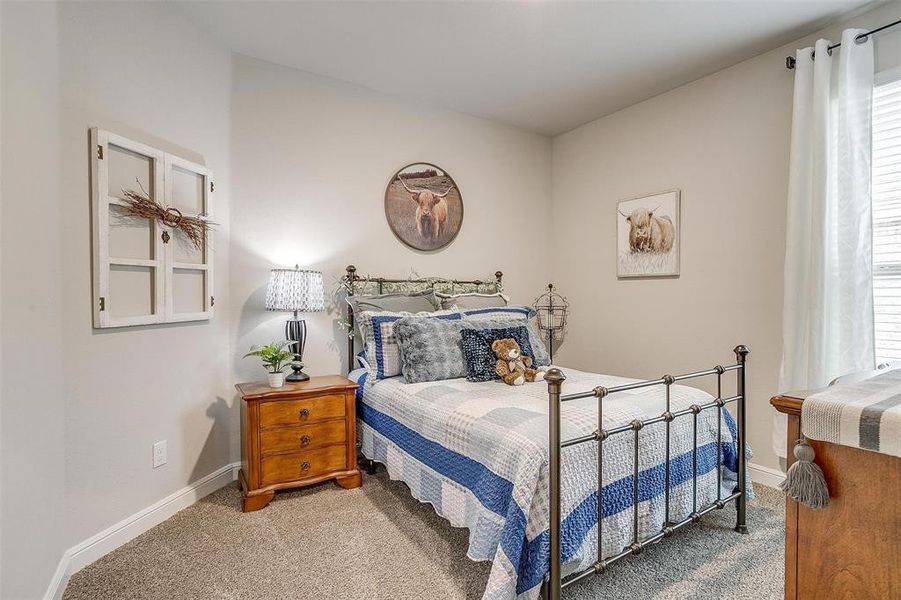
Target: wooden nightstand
(297,435)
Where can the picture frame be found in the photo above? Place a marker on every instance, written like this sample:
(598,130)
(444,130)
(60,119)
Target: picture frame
(423,206)
(648,235)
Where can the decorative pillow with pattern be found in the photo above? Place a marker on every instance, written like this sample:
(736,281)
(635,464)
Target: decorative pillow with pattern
(498,312)
(471,300)
(381,349)
(509,316)
(480,358)
(430,349)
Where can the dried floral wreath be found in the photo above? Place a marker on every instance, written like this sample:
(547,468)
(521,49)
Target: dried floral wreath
(141,205)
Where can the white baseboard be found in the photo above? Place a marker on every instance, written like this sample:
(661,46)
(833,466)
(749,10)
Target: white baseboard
(765,475)
(81,555)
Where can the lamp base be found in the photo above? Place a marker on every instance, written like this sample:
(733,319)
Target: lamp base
(296,331)
(297,375)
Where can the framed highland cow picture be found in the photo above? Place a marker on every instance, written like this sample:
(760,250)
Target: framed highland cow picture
(424,207)
(647,236)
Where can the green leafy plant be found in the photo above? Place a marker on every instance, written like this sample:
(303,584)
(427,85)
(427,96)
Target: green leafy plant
(274,356)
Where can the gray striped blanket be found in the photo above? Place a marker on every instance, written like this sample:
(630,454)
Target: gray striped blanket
(864,414)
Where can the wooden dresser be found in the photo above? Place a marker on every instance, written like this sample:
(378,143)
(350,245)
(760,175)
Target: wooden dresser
(297,435)
(852,548)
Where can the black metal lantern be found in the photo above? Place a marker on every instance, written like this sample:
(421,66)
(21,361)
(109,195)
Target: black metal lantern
(551,308)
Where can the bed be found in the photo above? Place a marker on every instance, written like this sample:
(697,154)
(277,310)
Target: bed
(518,466)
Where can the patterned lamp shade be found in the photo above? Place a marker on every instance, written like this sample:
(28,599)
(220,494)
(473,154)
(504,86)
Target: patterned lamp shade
(296,290)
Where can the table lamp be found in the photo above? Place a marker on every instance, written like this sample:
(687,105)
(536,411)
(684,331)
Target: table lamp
(300,291)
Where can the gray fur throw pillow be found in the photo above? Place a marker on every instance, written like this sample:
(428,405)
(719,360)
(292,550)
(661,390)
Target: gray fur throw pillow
(430,349)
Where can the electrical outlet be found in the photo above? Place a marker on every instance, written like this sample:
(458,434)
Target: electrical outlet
(159,454)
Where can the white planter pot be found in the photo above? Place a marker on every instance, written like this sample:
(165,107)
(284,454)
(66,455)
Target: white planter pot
(276,380)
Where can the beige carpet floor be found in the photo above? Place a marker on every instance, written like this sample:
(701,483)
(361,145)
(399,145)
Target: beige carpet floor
(377,542)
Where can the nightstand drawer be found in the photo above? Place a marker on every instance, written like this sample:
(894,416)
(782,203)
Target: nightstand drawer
(303,465)
(299,412)
(296,439)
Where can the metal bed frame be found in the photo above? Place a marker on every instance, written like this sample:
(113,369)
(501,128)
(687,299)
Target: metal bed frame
(554,584)
(555,377)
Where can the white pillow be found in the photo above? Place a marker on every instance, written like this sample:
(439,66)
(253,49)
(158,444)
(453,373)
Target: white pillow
(471,300)
(498,312)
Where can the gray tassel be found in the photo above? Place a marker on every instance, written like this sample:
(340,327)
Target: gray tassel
(804,480)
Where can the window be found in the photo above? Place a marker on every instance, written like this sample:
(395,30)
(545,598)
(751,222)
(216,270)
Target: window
(887,220)
(146,271)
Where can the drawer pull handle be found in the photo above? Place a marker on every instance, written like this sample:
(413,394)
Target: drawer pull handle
(304,413)
(305,466)
(305,440)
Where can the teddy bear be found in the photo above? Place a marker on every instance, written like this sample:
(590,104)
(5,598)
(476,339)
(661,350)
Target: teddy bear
(512,366)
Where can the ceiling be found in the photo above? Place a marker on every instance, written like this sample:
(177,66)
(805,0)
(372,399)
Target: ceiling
(543,66)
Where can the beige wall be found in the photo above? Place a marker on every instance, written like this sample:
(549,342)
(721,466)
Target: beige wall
(724,141)
(311,158)
(124,68)
(32,380)
(81,408)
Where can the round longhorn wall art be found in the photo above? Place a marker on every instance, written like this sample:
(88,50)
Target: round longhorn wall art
(424,207)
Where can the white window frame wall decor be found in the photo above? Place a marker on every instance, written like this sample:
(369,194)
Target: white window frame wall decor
(162,262)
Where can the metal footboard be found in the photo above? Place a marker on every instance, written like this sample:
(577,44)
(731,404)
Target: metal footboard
(555,377)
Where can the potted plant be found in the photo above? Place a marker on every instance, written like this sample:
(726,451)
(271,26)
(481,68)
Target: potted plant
(275,358)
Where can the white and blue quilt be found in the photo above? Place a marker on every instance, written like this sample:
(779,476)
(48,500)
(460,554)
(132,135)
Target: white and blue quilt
(478,452)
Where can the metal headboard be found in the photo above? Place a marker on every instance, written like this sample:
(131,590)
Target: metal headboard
(368,284)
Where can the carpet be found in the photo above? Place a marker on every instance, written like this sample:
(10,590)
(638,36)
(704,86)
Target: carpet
(378,542)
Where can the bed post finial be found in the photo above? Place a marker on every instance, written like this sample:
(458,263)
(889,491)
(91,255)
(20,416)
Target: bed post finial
(554,378)
(498,281)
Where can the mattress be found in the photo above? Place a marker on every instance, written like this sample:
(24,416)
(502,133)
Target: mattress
(478,453)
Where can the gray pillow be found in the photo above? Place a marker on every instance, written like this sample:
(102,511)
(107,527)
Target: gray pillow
(471,300)
(430,349)
(542,356)
(424,301)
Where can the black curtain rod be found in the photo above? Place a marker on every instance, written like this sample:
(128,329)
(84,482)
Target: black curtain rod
(790,60)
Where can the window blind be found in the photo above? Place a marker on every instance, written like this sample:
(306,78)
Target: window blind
(887,220)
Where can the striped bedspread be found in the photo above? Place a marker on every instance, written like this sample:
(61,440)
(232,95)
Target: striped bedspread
(478,453)
(865,414)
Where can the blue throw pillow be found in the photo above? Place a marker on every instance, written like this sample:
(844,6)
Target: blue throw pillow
(506,316)
(480,358)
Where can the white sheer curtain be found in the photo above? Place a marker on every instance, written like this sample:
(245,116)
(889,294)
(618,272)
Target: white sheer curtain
(828,304)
